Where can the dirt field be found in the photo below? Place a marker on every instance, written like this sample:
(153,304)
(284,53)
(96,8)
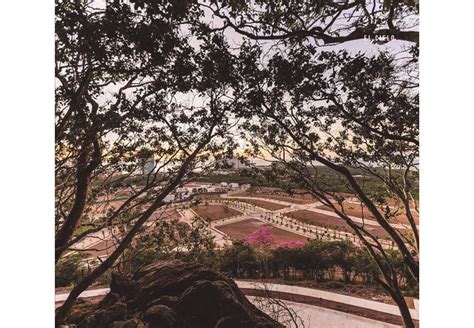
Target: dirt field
(215,212)
(242,229)
(352,210)
(104,207)
(361,211)
(209,196)
(105,247)
(167,214)
(331,222)
(261,203)
(297,199)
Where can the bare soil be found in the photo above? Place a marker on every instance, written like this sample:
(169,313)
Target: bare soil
(261,203)
(296,199)
(104,206)
(215,212)
(242,229)
(360,211)
(167,214)
(105,247)
(331,222)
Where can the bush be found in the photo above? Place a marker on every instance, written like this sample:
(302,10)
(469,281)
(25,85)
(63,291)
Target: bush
(239,260)
(68,270)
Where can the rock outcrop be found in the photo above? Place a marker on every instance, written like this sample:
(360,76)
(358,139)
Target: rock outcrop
(174,294)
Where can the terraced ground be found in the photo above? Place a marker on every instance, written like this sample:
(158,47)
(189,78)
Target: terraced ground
(261,203)
(242,229)
(215,212)
(296,199)
(362,212)
(331,222)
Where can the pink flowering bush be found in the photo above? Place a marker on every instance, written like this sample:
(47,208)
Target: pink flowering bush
(292,244)
(261,237)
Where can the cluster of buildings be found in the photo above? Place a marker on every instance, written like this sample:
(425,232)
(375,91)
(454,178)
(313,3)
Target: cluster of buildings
(191,189)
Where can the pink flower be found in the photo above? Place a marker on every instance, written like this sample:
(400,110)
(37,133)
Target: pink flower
(261,237)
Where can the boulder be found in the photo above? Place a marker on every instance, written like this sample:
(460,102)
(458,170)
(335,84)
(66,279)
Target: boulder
(160,316)
(175,294)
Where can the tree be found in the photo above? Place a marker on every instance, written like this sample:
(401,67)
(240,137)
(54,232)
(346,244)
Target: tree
(321,22)
(165,240)
(261,237)
(153,82)
(130,86)
(239,260)
(349,113)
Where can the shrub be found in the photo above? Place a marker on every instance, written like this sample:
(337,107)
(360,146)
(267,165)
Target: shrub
(68,270)
(292,244)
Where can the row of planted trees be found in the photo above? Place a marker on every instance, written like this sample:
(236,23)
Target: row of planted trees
(262,256)
(315,260)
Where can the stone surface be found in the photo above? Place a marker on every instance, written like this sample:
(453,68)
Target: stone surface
(174,294)
(160,316)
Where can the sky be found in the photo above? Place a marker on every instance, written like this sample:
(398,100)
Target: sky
(235,39)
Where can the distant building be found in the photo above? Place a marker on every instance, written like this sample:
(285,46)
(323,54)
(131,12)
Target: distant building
(245,186)
(169,198)
(149,166)
(236,164)
(234,185)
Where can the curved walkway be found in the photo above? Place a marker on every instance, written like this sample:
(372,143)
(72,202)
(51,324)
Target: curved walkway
(319,308)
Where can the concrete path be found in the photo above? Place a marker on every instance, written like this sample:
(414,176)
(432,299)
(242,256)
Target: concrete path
(313,316)
(318,317)
(356,301)
(84,294)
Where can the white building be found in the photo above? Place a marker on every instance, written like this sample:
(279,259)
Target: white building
(245,186)
(169,198)
(149,166)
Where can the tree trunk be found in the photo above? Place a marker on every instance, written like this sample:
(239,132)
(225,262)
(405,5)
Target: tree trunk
(107,264)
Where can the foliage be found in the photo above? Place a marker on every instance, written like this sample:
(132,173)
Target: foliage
(146,79)
(317,259)
(68,270)
(238,260)
(261,237)
(292,244)
(166,240)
